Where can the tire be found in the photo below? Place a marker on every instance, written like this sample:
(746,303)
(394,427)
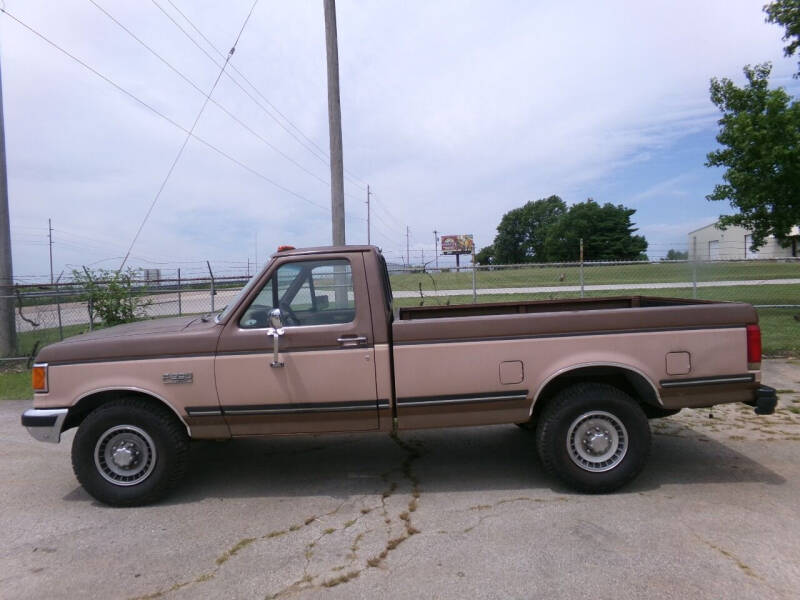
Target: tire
(150,457)
(593,437)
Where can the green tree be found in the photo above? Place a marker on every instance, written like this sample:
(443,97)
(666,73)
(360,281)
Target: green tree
(607,233)
(787,14)
(522,232)
(111,295)
(485,256)
(760,151)
(676,255)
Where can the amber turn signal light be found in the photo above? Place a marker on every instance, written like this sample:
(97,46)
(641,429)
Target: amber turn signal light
(39,378)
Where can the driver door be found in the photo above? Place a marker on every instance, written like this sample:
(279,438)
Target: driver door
(327,381)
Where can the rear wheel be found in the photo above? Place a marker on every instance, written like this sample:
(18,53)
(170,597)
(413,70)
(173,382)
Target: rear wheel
(129,452)
(594,437)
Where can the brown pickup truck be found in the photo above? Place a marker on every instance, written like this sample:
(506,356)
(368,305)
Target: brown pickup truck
(313,345)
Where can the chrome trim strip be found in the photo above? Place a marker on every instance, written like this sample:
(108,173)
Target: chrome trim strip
(719,380)
(286,411)
(46,433)
(402,403)
(201,412)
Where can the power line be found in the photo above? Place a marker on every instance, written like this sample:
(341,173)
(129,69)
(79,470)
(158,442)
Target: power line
(245,79)
(158,113)
(188,136)
(239,85)
(316,150)
(214,102)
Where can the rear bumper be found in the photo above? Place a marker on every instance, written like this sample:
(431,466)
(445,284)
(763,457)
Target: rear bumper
(765,400)
(44,424)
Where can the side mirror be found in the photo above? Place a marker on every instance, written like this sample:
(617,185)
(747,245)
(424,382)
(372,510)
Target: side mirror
(276,319)
(323,302)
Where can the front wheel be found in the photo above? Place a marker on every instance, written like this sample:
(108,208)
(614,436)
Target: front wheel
(129,452)
(594,437)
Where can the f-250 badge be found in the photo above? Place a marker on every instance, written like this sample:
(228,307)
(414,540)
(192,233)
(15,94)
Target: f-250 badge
(177,377)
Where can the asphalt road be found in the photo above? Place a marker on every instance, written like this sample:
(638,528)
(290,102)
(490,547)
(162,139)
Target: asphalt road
(714,515)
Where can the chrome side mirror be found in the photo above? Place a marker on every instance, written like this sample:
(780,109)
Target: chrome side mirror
(275,330)
(276,319)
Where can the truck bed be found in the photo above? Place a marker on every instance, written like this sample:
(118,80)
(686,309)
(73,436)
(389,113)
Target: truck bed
(536,318)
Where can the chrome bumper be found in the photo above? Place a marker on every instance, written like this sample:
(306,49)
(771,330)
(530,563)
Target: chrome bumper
(44,424)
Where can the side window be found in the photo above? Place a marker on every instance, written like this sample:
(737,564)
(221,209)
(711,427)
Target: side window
(308,293)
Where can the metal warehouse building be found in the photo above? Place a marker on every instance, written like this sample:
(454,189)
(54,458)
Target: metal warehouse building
(712,243)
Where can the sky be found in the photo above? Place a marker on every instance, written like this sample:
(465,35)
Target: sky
(453,112)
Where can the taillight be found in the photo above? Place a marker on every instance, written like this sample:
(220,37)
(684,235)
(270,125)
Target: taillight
(39,378)
(753,347)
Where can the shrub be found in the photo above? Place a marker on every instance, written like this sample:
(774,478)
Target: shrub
(111,296)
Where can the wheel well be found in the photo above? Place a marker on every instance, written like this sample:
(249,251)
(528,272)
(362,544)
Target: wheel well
(629,381)
(79,411)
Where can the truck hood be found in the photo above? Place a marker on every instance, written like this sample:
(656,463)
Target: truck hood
(176,336)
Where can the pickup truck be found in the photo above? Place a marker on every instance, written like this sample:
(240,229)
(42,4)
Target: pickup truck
(312,344)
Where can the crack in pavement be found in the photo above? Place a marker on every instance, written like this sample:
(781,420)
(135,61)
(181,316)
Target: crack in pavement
(307,581)
(742,566)
(233,551)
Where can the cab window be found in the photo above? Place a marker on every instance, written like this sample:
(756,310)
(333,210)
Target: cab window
(308,293)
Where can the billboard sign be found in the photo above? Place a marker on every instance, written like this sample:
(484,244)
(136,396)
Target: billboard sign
(458,244)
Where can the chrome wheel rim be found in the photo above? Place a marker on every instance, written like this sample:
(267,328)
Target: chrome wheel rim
(125,455)
(597,441)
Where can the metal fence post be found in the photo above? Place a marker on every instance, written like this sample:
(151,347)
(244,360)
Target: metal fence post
(91,314)
(180,308)
(474,279)
(58,310)
(581,268)
(213,291)
(694,279)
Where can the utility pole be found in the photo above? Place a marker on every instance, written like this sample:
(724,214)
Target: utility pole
(368,195)
(436,246)
(334,125)
(8,326)
(50,235)
(408,252)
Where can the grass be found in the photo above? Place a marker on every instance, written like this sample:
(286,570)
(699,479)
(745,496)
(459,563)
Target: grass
(27,339)
(15,385)
(595,275)
(15,380)
(780,331)
(753,294)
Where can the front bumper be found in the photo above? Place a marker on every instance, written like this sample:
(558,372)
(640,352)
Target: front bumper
(44,424)
(765,401)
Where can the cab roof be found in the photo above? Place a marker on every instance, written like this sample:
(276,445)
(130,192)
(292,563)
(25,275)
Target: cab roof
(326,250)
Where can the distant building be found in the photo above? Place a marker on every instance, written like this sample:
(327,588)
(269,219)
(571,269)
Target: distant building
(712,243)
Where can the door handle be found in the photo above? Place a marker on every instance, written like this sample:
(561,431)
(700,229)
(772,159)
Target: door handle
(353,340)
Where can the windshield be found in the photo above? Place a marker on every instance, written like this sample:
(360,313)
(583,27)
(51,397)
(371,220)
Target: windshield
(235,302)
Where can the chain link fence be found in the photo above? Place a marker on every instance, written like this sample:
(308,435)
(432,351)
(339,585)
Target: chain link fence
(48,313)
(764,283)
